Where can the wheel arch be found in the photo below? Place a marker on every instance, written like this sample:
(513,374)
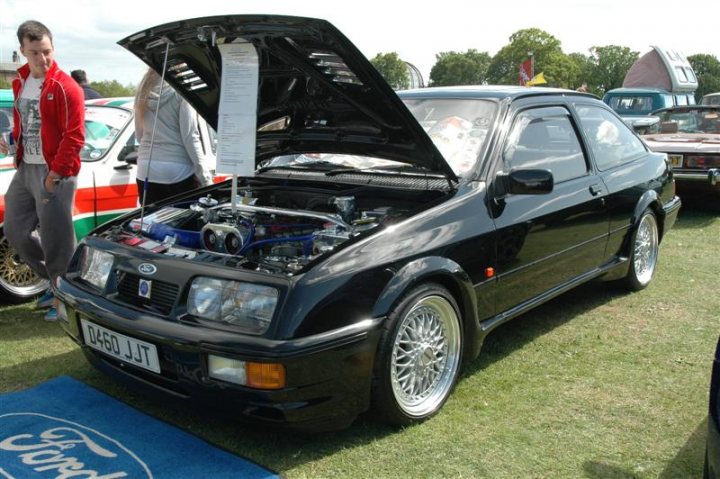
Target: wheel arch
(650,199)
(446,273)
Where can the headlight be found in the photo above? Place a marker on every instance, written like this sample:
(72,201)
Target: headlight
(95,266)
(246,305)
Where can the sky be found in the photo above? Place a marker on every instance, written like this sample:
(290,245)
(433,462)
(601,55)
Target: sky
(86,32)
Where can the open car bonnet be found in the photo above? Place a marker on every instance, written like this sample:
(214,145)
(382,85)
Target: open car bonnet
(317,92)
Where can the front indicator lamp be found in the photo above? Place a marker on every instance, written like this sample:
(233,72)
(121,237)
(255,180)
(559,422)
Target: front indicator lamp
(246,373)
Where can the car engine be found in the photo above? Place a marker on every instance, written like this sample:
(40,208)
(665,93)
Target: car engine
(274,232)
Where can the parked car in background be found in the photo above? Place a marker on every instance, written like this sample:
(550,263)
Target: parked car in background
(712,450)
(382,236)
(6,105)
(6,120)
(635,105)
(711,99)
(690,135)
(106,186)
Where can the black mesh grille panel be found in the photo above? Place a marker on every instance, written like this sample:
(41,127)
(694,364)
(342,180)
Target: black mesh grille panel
(162,295)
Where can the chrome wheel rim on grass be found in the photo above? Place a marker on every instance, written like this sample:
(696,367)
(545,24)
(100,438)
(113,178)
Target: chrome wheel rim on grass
(425,356)
(16,277)
(646,249)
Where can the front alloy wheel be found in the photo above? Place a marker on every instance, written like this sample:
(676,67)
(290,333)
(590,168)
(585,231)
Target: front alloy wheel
(420,356)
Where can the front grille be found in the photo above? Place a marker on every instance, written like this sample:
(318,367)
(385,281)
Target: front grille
(162,294)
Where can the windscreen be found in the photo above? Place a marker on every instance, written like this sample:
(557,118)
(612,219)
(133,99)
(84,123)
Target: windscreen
(459,128)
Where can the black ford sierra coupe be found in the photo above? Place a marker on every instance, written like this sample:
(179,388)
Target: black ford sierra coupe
(378,239)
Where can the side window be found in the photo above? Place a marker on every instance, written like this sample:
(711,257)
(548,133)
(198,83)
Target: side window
(669,101)
(544,138)
(680,73)
(612,142)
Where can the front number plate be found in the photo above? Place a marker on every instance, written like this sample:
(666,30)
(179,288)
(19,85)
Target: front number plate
(126,349)
(676,160)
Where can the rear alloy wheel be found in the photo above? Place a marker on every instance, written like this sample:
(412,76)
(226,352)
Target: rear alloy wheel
(644,257)
(18,283)
(419,357)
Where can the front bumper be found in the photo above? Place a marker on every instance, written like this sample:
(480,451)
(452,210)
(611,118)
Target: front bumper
(328,375)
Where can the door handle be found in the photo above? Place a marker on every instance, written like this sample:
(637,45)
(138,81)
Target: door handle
(595,190)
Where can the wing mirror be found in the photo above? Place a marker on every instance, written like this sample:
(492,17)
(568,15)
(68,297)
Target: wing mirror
(526,182)
(128,154)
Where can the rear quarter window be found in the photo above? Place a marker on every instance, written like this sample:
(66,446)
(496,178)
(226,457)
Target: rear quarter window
(611,141)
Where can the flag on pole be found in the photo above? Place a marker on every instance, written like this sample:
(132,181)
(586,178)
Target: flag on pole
(538,79)
(524,72)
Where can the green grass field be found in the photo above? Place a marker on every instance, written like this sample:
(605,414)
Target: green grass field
(597,383)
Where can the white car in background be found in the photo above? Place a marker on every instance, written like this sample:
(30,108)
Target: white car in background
(711,99)
(106,187)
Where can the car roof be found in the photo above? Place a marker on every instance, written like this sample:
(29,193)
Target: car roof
(499,92)
(123,101)
(636,90)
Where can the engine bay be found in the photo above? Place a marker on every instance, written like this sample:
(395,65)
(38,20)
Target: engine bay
(273,229)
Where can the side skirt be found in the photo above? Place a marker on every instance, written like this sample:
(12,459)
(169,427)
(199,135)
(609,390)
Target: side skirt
(491,323)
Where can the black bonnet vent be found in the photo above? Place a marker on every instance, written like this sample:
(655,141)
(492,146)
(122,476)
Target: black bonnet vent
(185,76)
(333,65)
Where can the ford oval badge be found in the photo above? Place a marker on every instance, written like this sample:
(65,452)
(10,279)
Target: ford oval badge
(147,268)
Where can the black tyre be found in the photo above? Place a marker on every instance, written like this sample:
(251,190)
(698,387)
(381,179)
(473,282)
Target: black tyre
(18,283)
(419,356)
(644,252)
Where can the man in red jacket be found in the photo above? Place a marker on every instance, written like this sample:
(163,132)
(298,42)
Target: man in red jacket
(49,131)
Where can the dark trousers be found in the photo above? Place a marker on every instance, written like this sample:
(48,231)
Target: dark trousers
(160,191)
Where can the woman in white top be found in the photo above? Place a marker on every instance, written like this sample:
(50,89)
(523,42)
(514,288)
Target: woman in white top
(180,158)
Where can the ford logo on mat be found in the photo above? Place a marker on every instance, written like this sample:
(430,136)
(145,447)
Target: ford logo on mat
(52,447)
(147,268)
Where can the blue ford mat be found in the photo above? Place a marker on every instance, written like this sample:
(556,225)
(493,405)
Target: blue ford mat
(63,428)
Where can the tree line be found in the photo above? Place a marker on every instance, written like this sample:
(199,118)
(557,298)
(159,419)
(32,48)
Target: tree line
(107,89)
(602,70)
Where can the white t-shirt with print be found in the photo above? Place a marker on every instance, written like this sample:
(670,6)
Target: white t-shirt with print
(29,107)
